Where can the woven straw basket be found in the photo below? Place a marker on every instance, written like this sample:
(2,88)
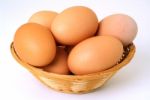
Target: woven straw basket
(77,83)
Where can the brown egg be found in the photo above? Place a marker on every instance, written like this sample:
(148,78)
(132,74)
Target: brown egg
(95,54)
(34,44)
(74,25)
(59,64)
(120,26)
(44,18)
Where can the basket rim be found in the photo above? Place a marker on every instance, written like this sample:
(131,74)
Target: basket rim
(126,60)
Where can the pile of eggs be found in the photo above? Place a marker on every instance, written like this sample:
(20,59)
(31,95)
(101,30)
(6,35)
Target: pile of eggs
(73,41)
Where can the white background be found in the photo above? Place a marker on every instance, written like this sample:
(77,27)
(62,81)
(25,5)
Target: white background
(130,83)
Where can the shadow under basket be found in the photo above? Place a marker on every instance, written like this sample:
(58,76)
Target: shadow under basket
(77,83)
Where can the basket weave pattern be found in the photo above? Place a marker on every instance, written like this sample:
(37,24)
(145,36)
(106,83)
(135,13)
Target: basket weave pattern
(76,83)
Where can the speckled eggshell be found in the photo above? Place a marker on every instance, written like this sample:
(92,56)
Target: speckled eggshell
(120,26)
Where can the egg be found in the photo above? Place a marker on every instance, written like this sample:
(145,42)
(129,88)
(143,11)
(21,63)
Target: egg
(95,54)
(74,24)
(44,18)
(120,26)
(34,44)
(59,64)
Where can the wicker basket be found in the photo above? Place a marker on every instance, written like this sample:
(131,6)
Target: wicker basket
(77,83)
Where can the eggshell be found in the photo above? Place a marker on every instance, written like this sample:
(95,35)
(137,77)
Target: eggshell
(59,64)
(44,18)
(120,26)
(34,44)
(95,54)
(74,24)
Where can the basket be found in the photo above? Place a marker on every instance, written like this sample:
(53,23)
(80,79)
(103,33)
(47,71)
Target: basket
(77,83)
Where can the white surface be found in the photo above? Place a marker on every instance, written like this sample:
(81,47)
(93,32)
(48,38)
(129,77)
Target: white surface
(130,83)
